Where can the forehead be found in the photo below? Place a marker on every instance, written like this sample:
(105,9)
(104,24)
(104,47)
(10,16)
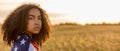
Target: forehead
(34,11)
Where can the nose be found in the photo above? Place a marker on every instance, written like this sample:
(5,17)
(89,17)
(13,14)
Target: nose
(37,22)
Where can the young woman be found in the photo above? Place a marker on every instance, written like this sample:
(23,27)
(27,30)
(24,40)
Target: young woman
(26,28)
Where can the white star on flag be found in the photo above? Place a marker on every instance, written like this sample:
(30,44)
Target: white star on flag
(22,42)
(16,48)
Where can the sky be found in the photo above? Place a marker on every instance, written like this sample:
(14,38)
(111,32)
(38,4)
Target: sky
(78,11)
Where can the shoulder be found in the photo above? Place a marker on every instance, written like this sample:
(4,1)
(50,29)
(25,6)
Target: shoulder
(21,43)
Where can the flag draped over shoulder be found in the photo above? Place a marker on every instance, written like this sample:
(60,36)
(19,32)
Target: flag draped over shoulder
(24,43)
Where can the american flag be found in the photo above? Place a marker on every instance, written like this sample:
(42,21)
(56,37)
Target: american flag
(24,43)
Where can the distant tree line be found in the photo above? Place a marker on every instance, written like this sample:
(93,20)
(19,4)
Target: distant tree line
(88,24)
(68,23)
(104,23)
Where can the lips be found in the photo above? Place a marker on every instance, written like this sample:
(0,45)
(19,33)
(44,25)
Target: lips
(37,28)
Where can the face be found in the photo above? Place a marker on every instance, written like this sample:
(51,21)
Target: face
(34,21)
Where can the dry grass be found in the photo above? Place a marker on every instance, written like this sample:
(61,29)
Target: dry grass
(81,38)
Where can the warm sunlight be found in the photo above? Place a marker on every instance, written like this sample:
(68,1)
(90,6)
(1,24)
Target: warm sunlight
(76,25)
(78,11)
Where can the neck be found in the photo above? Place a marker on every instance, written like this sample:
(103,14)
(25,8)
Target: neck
(28,33)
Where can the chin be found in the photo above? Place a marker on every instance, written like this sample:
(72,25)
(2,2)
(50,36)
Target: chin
(35,32)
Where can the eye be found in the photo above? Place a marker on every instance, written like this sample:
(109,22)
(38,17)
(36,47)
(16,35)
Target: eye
(39,18)
(30,18)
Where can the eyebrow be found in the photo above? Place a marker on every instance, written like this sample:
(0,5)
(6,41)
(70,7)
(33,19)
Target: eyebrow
(34,15)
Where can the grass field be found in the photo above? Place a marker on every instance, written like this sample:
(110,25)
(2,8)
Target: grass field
(80,38)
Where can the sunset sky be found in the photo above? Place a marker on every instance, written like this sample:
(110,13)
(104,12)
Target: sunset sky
(78,11)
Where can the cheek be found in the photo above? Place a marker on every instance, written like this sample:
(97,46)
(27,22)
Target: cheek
(30,25)
(40,23)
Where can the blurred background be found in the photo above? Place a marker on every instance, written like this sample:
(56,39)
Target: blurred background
(77,25)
